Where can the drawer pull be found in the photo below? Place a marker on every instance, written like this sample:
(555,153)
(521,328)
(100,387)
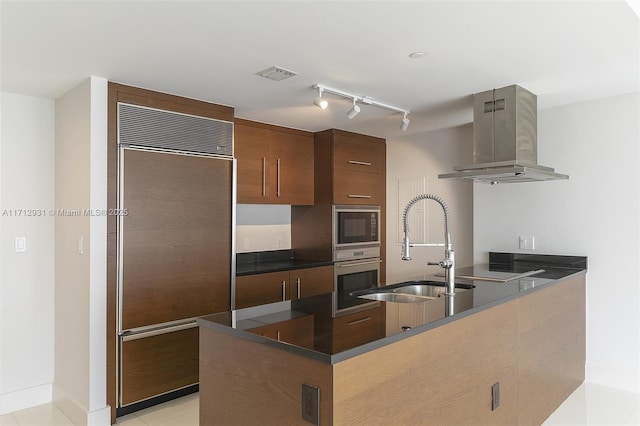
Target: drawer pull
(358,321)
(358,196)
(264,176)
(278,178)
(359,163)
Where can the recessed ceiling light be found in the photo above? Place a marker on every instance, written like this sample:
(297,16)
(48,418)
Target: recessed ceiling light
(416,55)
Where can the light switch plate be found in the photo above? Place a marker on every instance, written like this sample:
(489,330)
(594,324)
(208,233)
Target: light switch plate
(526,242)
(21,244)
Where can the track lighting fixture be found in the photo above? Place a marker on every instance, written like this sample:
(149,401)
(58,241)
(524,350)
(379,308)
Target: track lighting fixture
(355,109)
(405,123)
(319,102)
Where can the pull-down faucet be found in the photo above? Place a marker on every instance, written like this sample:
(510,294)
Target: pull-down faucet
(448,263)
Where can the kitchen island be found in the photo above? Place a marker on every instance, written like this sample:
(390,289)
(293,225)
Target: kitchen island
(510,353)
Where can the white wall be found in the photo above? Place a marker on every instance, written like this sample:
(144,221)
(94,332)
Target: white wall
(263,227)
(26,279)
(80,317)
(595,213)
(419,158)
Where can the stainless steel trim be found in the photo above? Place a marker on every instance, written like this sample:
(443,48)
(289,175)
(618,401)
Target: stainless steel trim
(278,177)
(176,152)
(284,290)
(359,163)
(264,176)
(120,238)
(234,200)
(358,196)
(358,321)
(352,264)
(126,337)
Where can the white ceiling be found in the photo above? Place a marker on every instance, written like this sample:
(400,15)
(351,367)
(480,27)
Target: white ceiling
(564,51)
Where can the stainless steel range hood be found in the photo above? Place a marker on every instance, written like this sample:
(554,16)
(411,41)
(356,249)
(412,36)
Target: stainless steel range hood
(505,139)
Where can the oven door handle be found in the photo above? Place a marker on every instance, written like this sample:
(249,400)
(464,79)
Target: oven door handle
(350,264)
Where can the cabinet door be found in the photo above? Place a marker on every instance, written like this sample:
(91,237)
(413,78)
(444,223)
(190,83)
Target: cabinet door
(359,153)
(357,329)
(311,282)
(291,168)
(351,187)
(251,147)
(260,289)
(158,364)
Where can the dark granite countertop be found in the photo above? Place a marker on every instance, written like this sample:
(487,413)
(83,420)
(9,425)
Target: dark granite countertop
(483,295)
(273,261)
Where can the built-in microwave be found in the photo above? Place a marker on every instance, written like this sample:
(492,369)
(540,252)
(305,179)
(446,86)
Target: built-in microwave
(356,232)
(354,276)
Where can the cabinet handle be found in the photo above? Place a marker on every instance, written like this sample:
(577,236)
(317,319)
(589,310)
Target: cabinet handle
(264,176)
(358,321)
(284,292)
(278,335)
(298,285)
(358,196)
(278,166)
(359,163)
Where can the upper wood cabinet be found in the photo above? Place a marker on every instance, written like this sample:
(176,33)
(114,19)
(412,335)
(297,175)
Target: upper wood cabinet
(350,168)
(275,164)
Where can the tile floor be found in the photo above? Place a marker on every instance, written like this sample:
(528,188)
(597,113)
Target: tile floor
(589,405)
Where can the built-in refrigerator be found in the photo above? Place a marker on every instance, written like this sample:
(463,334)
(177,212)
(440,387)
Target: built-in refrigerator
(176,261)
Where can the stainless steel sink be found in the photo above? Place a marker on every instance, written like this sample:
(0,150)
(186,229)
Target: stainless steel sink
(409,292)
(395,297)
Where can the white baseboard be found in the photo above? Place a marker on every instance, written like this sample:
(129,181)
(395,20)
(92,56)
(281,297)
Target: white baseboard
(78,414)
(25,398)
(613,377)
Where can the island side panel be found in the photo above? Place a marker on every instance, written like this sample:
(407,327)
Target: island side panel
(442,376)
(552,348)
(248,383)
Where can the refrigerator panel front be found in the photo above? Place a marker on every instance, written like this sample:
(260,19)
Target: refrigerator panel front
(175,237)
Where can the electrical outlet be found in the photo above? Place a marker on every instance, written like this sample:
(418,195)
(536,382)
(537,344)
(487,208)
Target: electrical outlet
(246,243)
(526,242)
(495,396)
(311,404)
(279,242)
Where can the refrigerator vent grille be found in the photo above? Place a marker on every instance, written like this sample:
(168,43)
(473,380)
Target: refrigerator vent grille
(154,128)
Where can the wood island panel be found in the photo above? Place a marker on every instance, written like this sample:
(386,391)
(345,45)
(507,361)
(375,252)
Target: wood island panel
(442,376)
(552,348)
(248,383)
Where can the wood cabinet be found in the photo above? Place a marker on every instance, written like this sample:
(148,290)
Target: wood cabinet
(297,331)
(271,287)
(350,169)
(357,329)
(353,166)
(552,343)
(158,364)
(532,346)
(275,164)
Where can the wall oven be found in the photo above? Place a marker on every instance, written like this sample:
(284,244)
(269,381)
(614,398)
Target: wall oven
(352,276)
(356,232)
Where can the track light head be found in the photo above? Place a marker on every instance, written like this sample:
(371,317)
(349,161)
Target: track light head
(405,123)
(319,102)
(355,110)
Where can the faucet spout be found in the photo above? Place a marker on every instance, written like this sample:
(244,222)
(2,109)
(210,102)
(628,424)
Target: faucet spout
(448,264)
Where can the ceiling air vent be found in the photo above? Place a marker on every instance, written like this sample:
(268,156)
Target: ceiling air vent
(276,73)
